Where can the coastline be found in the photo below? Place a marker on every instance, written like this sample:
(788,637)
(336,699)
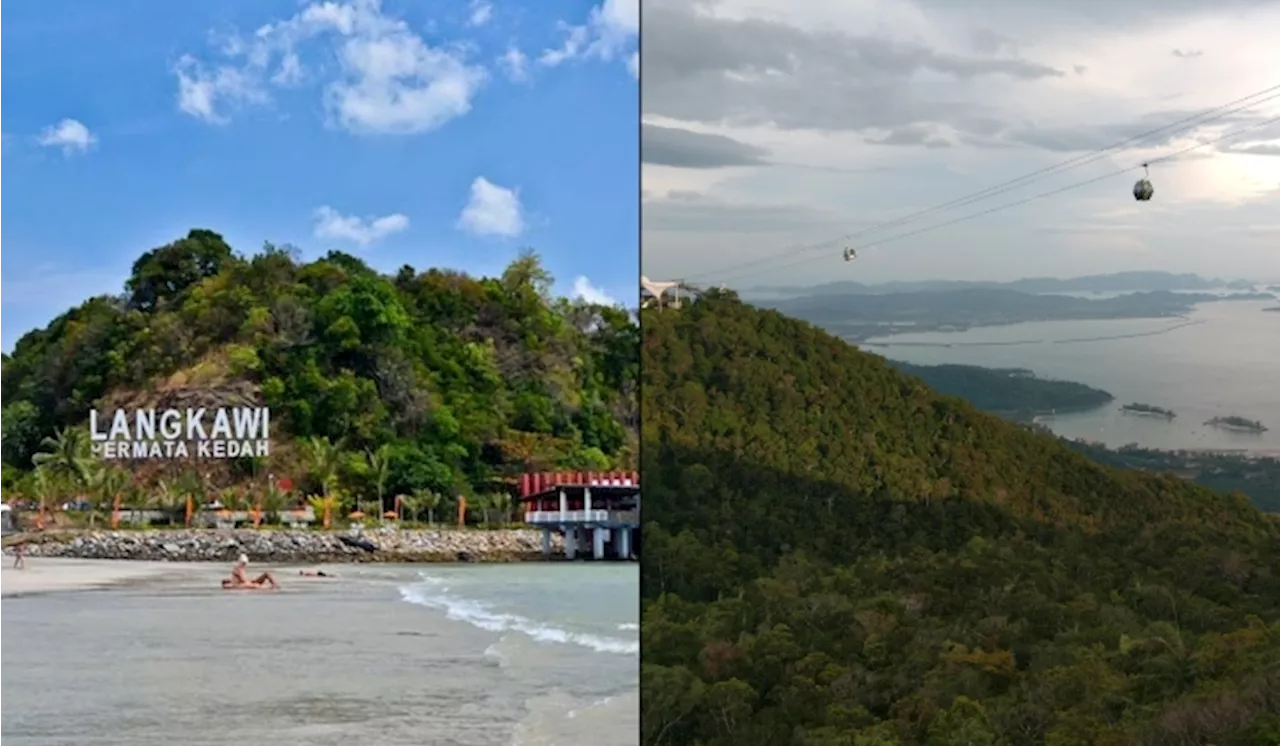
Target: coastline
(167,547)
(61,574)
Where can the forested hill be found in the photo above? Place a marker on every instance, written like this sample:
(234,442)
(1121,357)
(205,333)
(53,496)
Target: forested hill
(423,380)
(837,555)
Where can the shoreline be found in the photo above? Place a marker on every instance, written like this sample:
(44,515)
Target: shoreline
(66,575)
(174,546)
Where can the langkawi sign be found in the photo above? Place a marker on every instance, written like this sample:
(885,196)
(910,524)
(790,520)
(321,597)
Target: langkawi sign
(222,433)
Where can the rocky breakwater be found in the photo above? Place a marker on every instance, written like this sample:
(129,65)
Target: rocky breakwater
(213,545)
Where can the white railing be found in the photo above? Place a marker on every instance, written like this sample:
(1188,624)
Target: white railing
(567,516)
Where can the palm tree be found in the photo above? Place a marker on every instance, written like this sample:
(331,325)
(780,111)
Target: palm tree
(168,499)
(484,503)
(501,504)
(233,500)
(273,502)
(105,483)
(322,461)
(135,500)
(44,487)
(380,467)
(66,454)
(428,500)
(410,507)
(325,507)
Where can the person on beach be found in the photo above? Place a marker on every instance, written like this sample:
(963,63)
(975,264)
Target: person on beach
(317,574)
(240,579)
(263,581)
(19,557)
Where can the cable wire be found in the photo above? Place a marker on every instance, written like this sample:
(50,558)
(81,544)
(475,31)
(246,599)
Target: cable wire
(1034,197)
(1182,125)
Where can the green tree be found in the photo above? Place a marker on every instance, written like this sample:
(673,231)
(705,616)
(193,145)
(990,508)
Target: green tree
(66,456)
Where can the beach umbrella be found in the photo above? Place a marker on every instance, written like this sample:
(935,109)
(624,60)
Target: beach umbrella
(390,514)
(355,515)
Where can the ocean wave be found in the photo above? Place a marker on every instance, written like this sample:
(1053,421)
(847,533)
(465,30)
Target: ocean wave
(629,626)
(481,615)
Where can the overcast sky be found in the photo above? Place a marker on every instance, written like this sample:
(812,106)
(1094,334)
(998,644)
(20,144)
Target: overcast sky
(771,124)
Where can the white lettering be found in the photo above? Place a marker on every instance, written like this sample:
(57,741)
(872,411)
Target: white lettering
(93,426)
(171,424)
(248,422)
(144,423)
(236,432)
(221,425)
(119,426)
(195,424)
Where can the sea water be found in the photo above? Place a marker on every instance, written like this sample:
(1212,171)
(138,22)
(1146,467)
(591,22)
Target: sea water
(468,655)
(1222,359)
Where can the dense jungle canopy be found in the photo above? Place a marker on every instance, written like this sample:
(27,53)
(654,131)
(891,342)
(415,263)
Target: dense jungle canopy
(836,555)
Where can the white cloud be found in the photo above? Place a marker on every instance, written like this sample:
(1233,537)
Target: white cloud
(70,135)
(201,91)
(388,79)
(633,64)
(363,231)
(481,13)
(492,211)
(515,63)
(855,137)
(611,30)
(584,290)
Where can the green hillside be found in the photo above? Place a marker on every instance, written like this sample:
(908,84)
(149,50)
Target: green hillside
(423,381)
(837,555)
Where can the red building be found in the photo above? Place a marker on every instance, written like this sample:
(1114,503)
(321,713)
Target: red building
(600,510)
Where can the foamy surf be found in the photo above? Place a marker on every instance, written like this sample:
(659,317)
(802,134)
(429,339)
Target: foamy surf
(431,593)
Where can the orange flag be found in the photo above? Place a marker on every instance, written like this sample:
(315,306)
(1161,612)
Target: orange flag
(257,516)
(462,511)
(115,513)
(191,509)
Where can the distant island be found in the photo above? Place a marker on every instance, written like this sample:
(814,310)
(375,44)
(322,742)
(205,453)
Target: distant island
(1014,393)
(1119,282)
(860,316)
(1147,410)
(1238,424)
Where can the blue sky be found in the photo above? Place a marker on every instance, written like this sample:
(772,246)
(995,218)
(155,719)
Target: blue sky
(430,133)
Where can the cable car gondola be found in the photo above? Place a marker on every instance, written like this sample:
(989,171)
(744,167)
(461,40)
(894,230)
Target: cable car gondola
(1143,190)
(850,254)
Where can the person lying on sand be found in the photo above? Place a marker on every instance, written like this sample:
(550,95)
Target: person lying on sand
(317,574)
(239,579)
(263,581)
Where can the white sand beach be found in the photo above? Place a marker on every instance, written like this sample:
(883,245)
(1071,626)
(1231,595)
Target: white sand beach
(43,575)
